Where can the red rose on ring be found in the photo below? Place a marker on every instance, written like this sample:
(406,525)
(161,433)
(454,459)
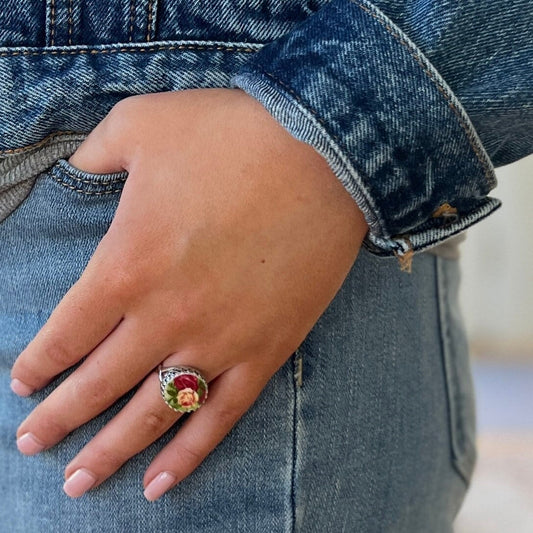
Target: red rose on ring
(186,381)
(184,392)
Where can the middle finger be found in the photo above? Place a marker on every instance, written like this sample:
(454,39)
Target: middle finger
(141,422)
(111,370)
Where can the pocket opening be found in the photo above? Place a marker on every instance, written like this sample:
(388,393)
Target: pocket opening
(87,182)
(20,169)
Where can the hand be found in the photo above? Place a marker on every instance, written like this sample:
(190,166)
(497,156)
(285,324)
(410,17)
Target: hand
(229,241)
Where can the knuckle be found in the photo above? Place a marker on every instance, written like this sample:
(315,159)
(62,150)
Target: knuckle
(155,421)
(124,107)
(50,429)
(109,459)
(229,414)
(187,454)
(57,429)
(186,312)
(122,120)
(120,114)
(98,392)
(177,317)
(56,350)
(117,126)
(120,281)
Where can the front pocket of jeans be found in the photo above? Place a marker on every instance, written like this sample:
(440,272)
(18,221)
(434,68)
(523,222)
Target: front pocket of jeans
(47,241)
(87,183)
(21,170)
(457,372)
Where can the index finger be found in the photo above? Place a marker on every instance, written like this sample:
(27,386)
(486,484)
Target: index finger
(88,312)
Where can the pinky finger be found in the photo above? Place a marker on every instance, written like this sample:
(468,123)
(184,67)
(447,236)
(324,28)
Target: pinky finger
(230,396)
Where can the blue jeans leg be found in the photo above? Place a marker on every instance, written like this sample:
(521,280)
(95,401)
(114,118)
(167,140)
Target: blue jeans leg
(368,427)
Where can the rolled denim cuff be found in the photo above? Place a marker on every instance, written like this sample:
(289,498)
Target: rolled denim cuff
(351,84)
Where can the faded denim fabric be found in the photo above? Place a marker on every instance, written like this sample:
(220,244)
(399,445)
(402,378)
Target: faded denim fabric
(369,427)
(411,130)
(352,83)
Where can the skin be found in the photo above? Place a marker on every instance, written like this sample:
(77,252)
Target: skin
(230,240)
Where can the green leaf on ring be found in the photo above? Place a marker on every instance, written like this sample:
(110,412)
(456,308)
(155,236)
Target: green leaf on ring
(170,391)
(201,388)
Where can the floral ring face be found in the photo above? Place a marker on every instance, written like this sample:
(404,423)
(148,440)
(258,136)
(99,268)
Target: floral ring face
(183,389)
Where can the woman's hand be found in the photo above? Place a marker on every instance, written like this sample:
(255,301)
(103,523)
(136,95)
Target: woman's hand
(229,241)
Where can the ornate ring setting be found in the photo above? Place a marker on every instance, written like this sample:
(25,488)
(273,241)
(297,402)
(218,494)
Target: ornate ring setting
(183,388)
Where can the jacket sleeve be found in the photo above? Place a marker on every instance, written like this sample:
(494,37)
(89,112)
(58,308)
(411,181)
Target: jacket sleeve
(352,83)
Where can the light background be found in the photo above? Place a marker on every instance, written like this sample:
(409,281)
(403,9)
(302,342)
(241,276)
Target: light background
(497,301)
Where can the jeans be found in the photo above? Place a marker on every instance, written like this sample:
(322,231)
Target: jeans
(368,427)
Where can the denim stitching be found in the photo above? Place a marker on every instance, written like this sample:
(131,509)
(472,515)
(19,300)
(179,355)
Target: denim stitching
(52,21)
(443,334)
(424,244)
(69,22)
(132,12)
(71,174)
(162,48)
(82,191)
(447,363)
(150,18)
(442,90)
(294,449)
(41,143)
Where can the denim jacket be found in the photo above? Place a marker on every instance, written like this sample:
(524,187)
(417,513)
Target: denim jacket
(411,103)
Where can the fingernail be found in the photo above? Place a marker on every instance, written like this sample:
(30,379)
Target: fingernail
(29,444)
(19,388)
(79,483)
(158,486)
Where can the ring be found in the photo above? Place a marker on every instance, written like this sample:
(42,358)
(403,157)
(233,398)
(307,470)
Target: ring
(183,388)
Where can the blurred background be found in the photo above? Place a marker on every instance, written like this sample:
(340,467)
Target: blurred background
(497,300)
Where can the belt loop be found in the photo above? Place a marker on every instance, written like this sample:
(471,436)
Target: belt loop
(142,20)
(62,18)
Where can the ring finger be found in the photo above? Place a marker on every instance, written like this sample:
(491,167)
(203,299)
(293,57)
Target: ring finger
(105,375)
(149,417)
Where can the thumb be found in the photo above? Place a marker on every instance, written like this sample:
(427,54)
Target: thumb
(102,152)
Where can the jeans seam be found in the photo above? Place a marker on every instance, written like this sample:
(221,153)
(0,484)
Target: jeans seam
(160,48)
(52,22)
(87,181)
(82,191)
(70,22)
(40,143)
(295,387)
(150,19)
(445,359)
(132,13)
